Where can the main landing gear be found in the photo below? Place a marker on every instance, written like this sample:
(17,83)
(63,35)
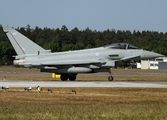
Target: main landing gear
(65,77)
(110,78)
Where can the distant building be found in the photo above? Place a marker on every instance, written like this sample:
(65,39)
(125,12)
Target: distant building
(161,59)
(138,65)
(162,65)
(158,63)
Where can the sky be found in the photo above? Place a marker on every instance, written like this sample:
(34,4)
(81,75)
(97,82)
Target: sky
(98,15)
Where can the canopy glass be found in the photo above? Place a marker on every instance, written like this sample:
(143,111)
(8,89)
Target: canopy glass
(121,46)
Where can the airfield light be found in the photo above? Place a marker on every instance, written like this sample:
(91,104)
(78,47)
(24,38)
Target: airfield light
(39,88)
(74,91)
(28,89)
(7,87)
(50,90)
(4,77)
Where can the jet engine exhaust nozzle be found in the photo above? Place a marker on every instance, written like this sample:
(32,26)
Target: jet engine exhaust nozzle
(16,62)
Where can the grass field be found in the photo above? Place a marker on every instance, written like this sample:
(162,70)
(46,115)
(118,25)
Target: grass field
(87,103)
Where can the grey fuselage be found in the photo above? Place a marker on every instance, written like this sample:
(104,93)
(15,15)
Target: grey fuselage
(31,55)
(81,61)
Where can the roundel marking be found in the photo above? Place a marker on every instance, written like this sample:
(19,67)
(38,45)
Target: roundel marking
(97,54)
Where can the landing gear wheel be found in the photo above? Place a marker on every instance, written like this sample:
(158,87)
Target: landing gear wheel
(64,77)
(72,78)
(110,78)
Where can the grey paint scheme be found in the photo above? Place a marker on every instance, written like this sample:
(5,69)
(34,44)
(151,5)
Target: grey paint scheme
(19,42)
(71,62)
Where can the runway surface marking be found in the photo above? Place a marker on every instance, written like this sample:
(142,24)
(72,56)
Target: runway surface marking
(135,84)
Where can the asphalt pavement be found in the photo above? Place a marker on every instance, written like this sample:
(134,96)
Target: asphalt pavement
(123,84)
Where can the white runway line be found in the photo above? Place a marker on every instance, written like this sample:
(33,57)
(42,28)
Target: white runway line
(135,84)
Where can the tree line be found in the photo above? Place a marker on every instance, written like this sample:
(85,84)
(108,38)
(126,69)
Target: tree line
(63,40)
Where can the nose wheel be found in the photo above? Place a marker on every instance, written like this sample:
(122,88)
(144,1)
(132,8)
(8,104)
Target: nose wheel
(110,78)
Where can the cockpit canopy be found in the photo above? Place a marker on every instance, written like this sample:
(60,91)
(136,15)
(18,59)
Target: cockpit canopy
(121,46)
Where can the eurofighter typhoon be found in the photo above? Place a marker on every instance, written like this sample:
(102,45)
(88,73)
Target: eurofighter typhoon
(70,63)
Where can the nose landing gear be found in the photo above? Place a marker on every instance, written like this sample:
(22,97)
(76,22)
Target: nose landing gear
(110,78)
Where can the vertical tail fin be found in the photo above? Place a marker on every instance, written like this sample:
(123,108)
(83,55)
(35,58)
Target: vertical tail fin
(21,44)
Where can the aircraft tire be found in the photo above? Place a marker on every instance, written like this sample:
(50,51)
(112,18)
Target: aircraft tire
(110,78)
(72,78)
(64,77)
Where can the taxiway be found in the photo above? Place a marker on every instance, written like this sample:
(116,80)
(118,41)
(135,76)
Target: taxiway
(133,84)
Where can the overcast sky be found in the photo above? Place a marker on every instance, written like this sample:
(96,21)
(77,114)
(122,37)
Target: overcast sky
(98,15)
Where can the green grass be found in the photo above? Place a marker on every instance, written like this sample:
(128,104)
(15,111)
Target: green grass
(137,111)
(88,103)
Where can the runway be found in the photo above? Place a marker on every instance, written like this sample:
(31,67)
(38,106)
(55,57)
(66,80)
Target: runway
(123,84)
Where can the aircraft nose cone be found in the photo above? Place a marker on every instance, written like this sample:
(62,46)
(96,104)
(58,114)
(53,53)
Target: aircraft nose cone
(148,54)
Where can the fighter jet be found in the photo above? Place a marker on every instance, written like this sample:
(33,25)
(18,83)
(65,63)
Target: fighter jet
(70,63)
